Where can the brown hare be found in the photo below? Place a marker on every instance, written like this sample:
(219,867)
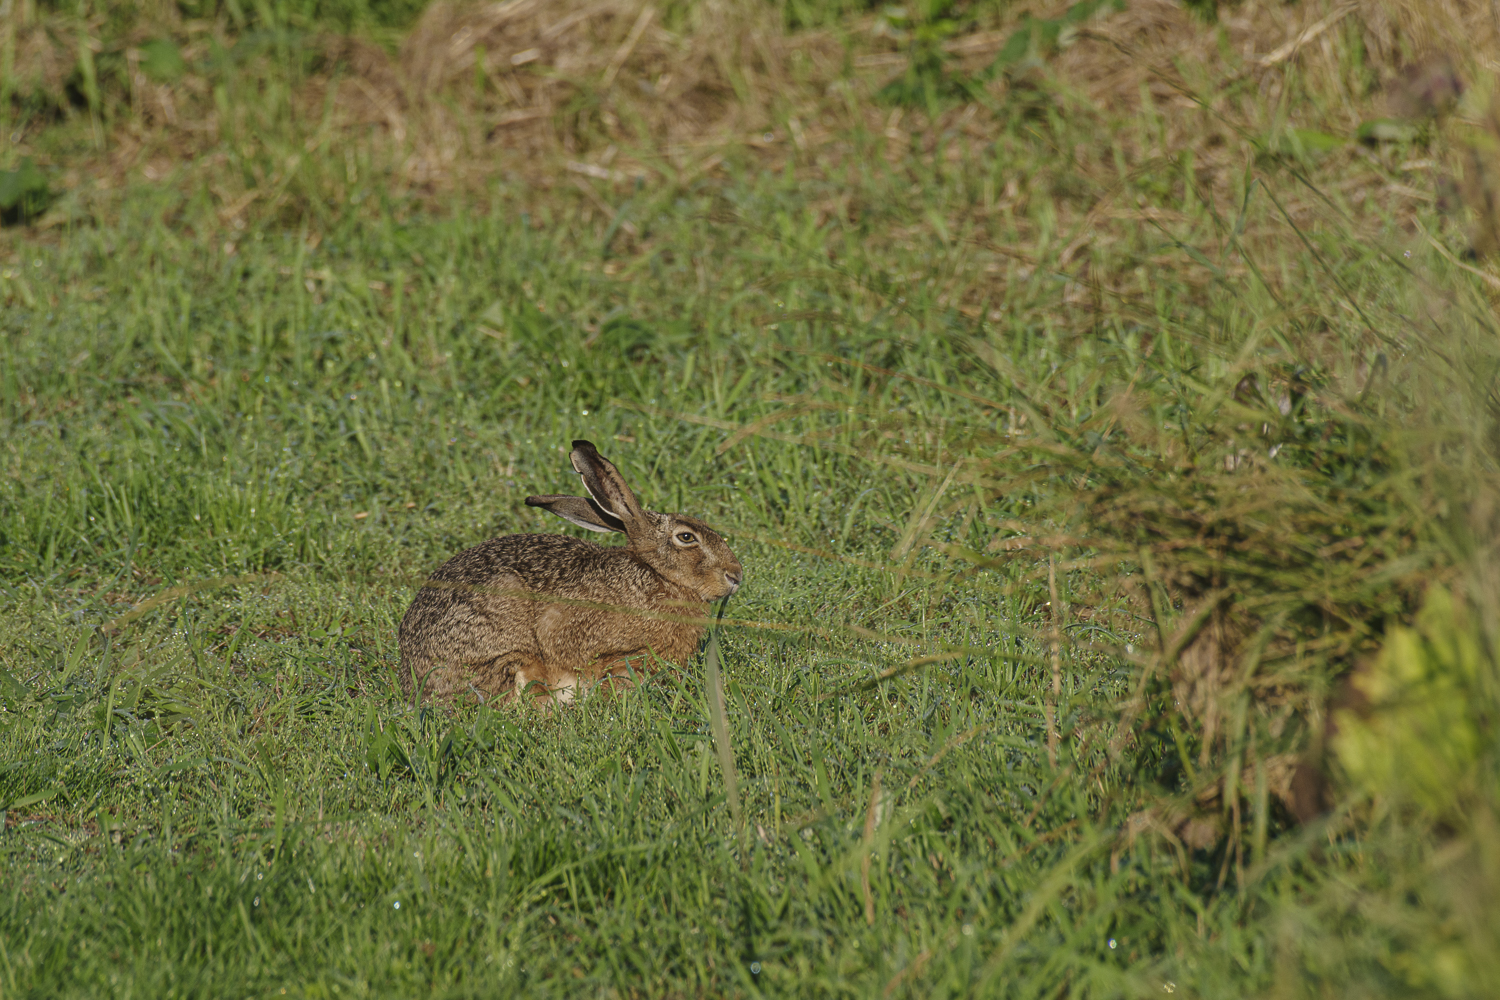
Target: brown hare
(552,612)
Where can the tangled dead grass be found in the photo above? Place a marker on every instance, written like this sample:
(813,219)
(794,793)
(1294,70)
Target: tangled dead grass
(621,92)
(525,84)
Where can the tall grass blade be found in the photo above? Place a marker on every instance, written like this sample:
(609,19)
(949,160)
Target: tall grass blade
(719,720)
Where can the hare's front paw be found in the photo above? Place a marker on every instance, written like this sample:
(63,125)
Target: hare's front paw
(546,694)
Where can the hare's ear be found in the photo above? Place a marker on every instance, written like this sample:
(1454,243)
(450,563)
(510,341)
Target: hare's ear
(580,510)
(605,484)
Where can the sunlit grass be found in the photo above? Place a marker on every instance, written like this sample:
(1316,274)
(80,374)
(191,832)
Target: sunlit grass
(264,469)
(1054,553)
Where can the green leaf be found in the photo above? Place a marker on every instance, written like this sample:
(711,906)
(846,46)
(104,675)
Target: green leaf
(1385,130)
(30,800)
(24,189)
(1312,141)
(162,61)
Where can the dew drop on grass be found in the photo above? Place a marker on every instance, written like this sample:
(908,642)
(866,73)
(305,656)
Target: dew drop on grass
(1112,944)
(398,904)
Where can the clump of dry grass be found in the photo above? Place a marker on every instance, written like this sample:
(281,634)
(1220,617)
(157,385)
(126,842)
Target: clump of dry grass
(614,90)
(529,82)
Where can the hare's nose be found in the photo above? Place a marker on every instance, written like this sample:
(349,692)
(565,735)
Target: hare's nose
(733,577)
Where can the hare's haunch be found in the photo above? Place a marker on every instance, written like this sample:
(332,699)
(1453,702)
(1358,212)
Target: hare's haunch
(551,612)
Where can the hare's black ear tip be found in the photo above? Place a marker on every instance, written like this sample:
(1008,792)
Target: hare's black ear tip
(536,501)
(585,446)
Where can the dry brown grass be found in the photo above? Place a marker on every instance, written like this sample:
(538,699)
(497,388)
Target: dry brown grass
(603,91)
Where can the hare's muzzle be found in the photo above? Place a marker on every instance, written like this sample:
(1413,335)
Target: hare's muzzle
(733,578)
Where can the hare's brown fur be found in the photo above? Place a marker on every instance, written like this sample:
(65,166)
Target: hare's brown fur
(557,611)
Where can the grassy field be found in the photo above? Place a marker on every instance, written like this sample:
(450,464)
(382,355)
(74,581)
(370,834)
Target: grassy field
(1086,455)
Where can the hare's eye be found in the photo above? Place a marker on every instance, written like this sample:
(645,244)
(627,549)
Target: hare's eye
(686,537)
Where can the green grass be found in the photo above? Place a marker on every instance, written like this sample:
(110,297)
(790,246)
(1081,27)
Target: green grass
(217,444)
(972,491)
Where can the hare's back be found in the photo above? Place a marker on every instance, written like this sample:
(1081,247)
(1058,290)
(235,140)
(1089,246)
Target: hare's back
(541,562)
